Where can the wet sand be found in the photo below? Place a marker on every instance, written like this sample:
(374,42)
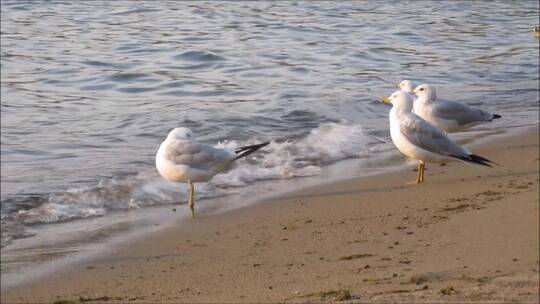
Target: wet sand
(467,234)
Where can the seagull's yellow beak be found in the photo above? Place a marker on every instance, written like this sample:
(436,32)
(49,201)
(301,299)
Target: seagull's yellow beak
(397,85)
(386,99)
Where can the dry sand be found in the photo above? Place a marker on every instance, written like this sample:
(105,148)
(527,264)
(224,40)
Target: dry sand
(468,234)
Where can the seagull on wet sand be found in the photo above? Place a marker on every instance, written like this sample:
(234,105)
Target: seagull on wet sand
(419,140)
(448,116)
(181,158)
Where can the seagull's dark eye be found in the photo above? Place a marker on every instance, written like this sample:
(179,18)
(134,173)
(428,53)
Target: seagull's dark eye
(421,89)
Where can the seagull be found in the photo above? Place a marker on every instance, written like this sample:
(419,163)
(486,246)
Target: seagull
(181,158)
(448,116)
(406,86)
(419,140)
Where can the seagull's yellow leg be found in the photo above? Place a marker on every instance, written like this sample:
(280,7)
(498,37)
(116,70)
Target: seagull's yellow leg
(191,201)
(419,174)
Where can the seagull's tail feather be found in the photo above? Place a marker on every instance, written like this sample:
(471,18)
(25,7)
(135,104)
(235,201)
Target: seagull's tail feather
(247,150)
(495,116)
(479,160)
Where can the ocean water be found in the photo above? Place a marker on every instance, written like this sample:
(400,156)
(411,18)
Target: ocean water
(90,89)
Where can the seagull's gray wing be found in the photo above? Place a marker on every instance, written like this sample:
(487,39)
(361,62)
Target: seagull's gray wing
(459,112)
(424,135)
(198,156)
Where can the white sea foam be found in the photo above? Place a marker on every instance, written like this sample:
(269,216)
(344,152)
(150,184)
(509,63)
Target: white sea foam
(280,160)
(286,159)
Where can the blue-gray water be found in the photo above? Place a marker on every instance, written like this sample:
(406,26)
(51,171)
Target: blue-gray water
(89,89)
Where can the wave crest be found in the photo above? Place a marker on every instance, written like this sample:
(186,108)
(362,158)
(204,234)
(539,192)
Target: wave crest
(285,159)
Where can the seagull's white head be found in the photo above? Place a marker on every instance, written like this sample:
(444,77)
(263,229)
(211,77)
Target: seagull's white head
(400,100)
(425,92)
(181,134)
(406,85)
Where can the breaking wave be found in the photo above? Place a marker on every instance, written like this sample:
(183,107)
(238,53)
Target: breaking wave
(285,159)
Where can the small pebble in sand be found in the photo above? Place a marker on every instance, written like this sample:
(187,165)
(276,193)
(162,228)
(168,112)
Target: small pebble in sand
(404,261)
(447,291)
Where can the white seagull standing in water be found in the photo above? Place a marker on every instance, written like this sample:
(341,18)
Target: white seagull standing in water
(448,116)
(418,139)
(181,158)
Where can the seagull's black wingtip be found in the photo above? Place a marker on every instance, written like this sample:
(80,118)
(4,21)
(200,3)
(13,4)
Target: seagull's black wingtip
(247,150)
(479,160)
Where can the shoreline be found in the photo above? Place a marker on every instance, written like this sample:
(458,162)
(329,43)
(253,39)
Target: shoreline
(273,244)
(148,220)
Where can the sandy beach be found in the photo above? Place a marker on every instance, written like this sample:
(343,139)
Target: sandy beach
(468,234)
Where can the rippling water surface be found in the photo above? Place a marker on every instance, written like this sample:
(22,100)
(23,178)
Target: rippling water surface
(90,89)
